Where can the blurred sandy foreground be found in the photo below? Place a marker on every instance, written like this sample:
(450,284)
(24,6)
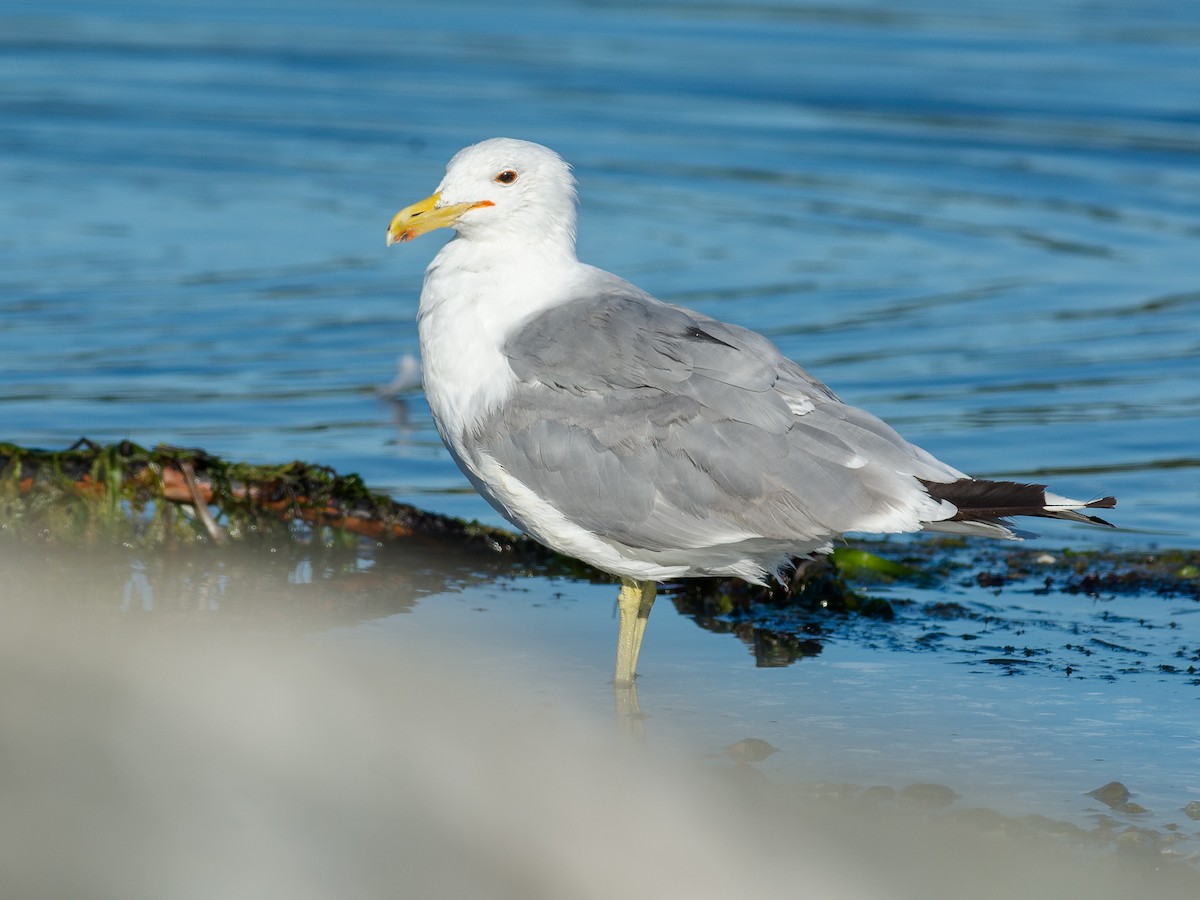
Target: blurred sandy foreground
(182,763)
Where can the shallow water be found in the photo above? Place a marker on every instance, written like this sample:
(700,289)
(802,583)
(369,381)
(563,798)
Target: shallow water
(978,220)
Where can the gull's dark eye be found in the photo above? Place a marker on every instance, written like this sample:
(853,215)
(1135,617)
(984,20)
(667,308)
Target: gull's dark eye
(508,176)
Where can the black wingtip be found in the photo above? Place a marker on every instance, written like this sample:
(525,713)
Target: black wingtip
(995,501)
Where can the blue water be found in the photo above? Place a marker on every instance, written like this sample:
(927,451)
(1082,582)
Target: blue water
(979,220)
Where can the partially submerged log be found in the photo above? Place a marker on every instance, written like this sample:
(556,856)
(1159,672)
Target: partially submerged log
(90,489)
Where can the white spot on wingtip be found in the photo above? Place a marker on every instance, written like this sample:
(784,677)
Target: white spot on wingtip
(1057,501)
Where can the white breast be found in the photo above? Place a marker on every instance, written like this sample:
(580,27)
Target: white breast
(465,373)
(470,303)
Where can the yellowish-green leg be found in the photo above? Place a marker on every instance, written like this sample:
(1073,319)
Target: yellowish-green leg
(634,602)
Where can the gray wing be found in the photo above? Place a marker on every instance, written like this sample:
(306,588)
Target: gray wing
(659,428)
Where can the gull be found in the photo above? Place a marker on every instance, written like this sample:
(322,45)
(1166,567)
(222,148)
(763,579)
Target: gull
(648,440)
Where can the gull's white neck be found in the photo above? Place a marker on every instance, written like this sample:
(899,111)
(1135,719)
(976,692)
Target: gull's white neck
(475,293)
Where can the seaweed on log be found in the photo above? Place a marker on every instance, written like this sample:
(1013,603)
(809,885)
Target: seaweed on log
(127,490)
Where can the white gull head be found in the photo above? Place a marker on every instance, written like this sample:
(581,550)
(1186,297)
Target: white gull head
(530,187)
(503,192)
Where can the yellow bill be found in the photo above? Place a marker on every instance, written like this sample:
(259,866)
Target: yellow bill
(426,215)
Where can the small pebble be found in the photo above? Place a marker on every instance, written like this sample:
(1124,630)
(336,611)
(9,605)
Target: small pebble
(1114,794)
(749,750)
